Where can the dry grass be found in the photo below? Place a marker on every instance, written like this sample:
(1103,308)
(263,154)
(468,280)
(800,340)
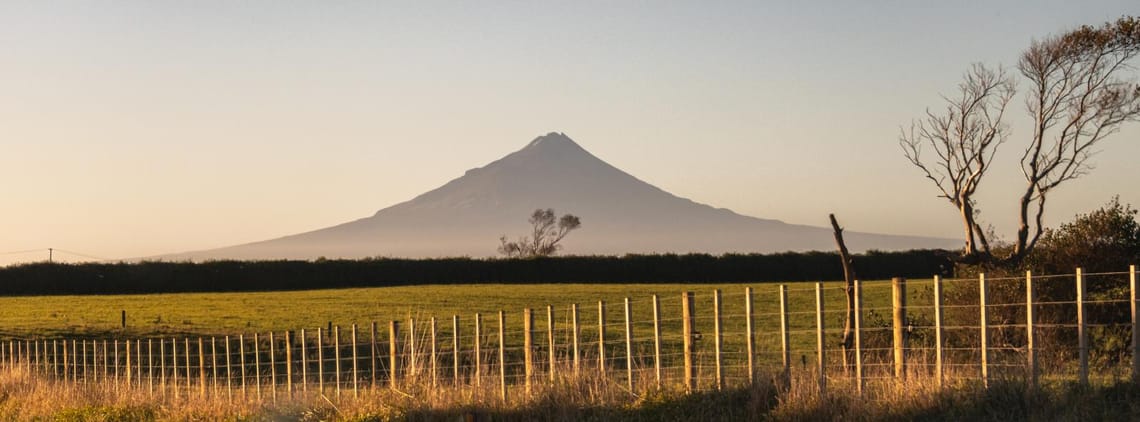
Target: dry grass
(26,396)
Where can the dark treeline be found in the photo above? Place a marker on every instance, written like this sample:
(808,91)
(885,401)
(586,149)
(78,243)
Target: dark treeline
(231,276)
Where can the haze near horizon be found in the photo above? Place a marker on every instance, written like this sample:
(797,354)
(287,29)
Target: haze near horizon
(139,128)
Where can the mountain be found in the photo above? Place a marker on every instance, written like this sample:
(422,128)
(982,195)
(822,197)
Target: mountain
(620,214)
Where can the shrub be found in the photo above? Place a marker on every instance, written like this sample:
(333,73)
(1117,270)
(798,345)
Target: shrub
(1107,239)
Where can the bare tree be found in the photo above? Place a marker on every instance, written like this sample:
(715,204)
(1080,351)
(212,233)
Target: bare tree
(1076,101)
(547,231)
(963,138)
(849,288)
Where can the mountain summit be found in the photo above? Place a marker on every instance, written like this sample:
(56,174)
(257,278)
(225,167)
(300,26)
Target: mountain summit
(620,214)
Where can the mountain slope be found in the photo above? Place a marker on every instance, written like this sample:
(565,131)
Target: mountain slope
(620,214)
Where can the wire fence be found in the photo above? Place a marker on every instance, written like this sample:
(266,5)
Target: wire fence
(1078,327)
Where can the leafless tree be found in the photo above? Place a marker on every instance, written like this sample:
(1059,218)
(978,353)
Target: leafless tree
(547,231)
(849,288)
(1076,101)
(963,138)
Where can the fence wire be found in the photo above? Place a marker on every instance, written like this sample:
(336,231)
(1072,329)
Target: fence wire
(1082,327)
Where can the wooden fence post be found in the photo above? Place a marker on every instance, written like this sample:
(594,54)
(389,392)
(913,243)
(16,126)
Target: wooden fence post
(214,361)
(320,361)
(304,364)
(939,366)
(76,359)
(898,299)
(1132,299)
(288,364)
(116,361)
(1082,330)
(502,358)
(174,383)
(750,332)
(336,356)
(551,355)
(149,366)
(106,370)
(478,352)
(1031,361)
(257,362)
(985,332)
(528,348)
(574,338)
(189,385)
(718,340)
(201,366)
(24,352)
(434,360)
(628,345)
(241,355)
(393,355)
(229,368)
(412,364)
(602,339)
(161,362)
(785,352)
(355,372)
(657,340)
(455,349)
(860,380)
(372,354)
(819,333)
(272,368)
(687,338)
(138,362)
(116,367)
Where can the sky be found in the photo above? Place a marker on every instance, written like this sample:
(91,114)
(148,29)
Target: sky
(132,129)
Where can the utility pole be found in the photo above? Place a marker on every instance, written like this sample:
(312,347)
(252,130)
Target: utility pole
(50,250)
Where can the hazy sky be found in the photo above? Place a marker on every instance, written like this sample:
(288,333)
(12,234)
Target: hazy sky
(138,128)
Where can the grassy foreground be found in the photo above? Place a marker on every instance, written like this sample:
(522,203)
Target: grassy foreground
(25,397)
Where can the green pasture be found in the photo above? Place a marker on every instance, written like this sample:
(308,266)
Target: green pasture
(218,314)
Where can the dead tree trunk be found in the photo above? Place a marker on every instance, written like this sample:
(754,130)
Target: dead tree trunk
(849,280)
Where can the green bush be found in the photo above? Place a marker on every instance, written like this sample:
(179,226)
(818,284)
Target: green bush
(1107,239)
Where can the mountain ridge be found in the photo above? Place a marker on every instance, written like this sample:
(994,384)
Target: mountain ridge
(620,214)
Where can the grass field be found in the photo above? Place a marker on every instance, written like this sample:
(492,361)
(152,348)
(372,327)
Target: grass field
(219,314)
(232,313)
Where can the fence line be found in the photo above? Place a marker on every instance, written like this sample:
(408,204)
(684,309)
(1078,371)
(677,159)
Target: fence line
(717,349)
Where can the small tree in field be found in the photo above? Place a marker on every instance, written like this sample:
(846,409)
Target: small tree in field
(547,231)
